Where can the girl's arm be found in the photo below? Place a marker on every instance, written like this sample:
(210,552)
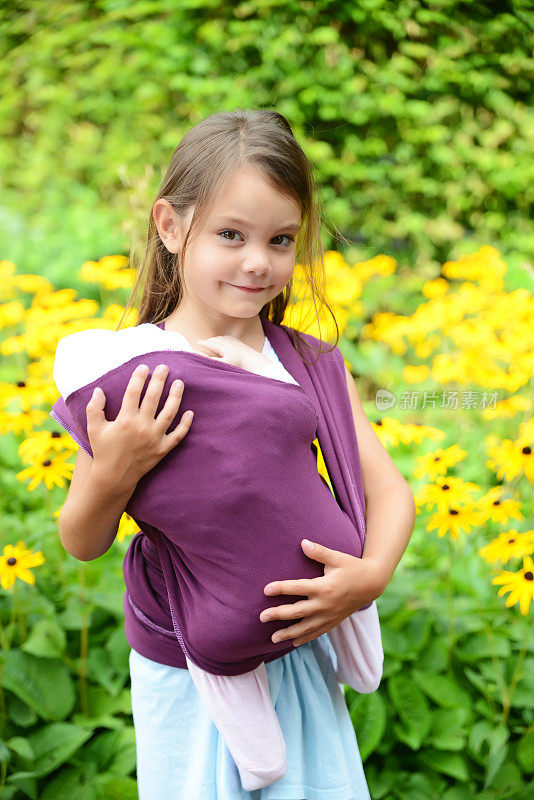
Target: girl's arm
(91,514)
(390,503)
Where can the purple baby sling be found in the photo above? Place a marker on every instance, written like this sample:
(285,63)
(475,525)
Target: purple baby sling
(228,506)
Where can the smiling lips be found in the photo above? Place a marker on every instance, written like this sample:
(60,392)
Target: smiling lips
(248,288)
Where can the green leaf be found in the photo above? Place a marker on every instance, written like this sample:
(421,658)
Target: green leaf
(434,657)
(447,731)
(368,714)
(47,639)
(380,781)
(19,712)
(525,752)
(451,764)
(481,645)
(443,689)
(419,786)
(55,743)
(397,644)
(45,684)
(458,793)
(72,783)
(523,695)
(412,707)
(119,789)
(113,752)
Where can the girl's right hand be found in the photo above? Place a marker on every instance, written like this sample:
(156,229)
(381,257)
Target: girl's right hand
(129,446)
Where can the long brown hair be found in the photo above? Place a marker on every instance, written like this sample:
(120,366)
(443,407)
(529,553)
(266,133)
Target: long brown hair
(206,157)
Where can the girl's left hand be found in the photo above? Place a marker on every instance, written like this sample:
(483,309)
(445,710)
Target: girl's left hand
(348,584)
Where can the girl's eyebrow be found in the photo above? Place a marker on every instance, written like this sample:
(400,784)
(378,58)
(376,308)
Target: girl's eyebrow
(291,226)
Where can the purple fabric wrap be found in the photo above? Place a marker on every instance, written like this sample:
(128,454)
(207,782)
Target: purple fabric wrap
(224,512)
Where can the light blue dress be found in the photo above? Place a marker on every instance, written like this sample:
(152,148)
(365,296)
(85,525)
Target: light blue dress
(182,756)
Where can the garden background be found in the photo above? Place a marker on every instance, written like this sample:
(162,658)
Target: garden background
(418,119)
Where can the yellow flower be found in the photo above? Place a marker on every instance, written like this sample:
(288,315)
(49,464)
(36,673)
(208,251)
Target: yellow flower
(448,491)
(454,520)
(520,584)
(16,562)
(498,508)
(435,287)
(127,527)
(52,471)
(110,272)
(413,373)
(509,458)
(40,443)
(321,465)
(438,462)
(392,431)
(506,408)
(507,545)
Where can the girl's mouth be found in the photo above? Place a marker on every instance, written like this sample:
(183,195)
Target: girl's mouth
(246,288)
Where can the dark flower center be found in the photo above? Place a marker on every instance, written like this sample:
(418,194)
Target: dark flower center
(11,561)
(529,576)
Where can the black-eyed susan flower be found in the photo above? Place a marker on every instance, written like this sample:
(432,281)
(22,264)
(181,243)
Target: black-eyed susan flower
(21,423)
(437,462)
(127,527)
(454,520)
(39,444)
(447,492)
(512,457)
(507,545)
(499,508)
(52,471)
(16,562)
(520,584)
(392,432)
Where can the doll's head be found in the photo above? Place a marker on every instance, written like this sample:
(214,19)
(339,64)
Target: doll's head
(241,165)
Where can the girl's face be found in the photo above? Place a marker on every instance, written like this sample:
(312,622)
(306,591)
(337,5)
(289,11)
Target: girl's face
(248,240)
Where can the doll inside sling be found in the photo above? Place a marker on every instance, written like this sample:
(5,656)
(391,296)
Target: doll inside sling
(231,503)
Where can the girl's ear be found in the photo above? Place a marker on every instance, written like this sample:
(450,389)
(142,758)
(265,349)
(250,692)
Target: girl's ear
(169,225)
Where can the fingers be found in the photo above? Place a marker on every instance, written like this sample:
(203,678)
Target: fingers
(95,407)
(302,586)
(302,608)
(181,429)
(155,386)
(132,394)
(169,411)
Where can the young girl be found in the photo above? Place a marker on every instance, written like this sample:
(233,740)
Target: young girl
(243,169)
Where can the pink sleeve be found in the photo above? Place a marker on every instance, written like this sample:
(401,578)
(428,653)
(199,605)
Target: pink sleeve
(357,642)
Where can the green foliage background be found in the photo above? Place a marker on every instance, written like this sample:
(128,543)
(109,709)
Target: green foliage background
(418,118)
(416,115)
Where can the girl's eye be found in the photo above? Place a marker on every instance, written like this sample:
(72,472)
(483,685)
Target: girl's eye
(280,236)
